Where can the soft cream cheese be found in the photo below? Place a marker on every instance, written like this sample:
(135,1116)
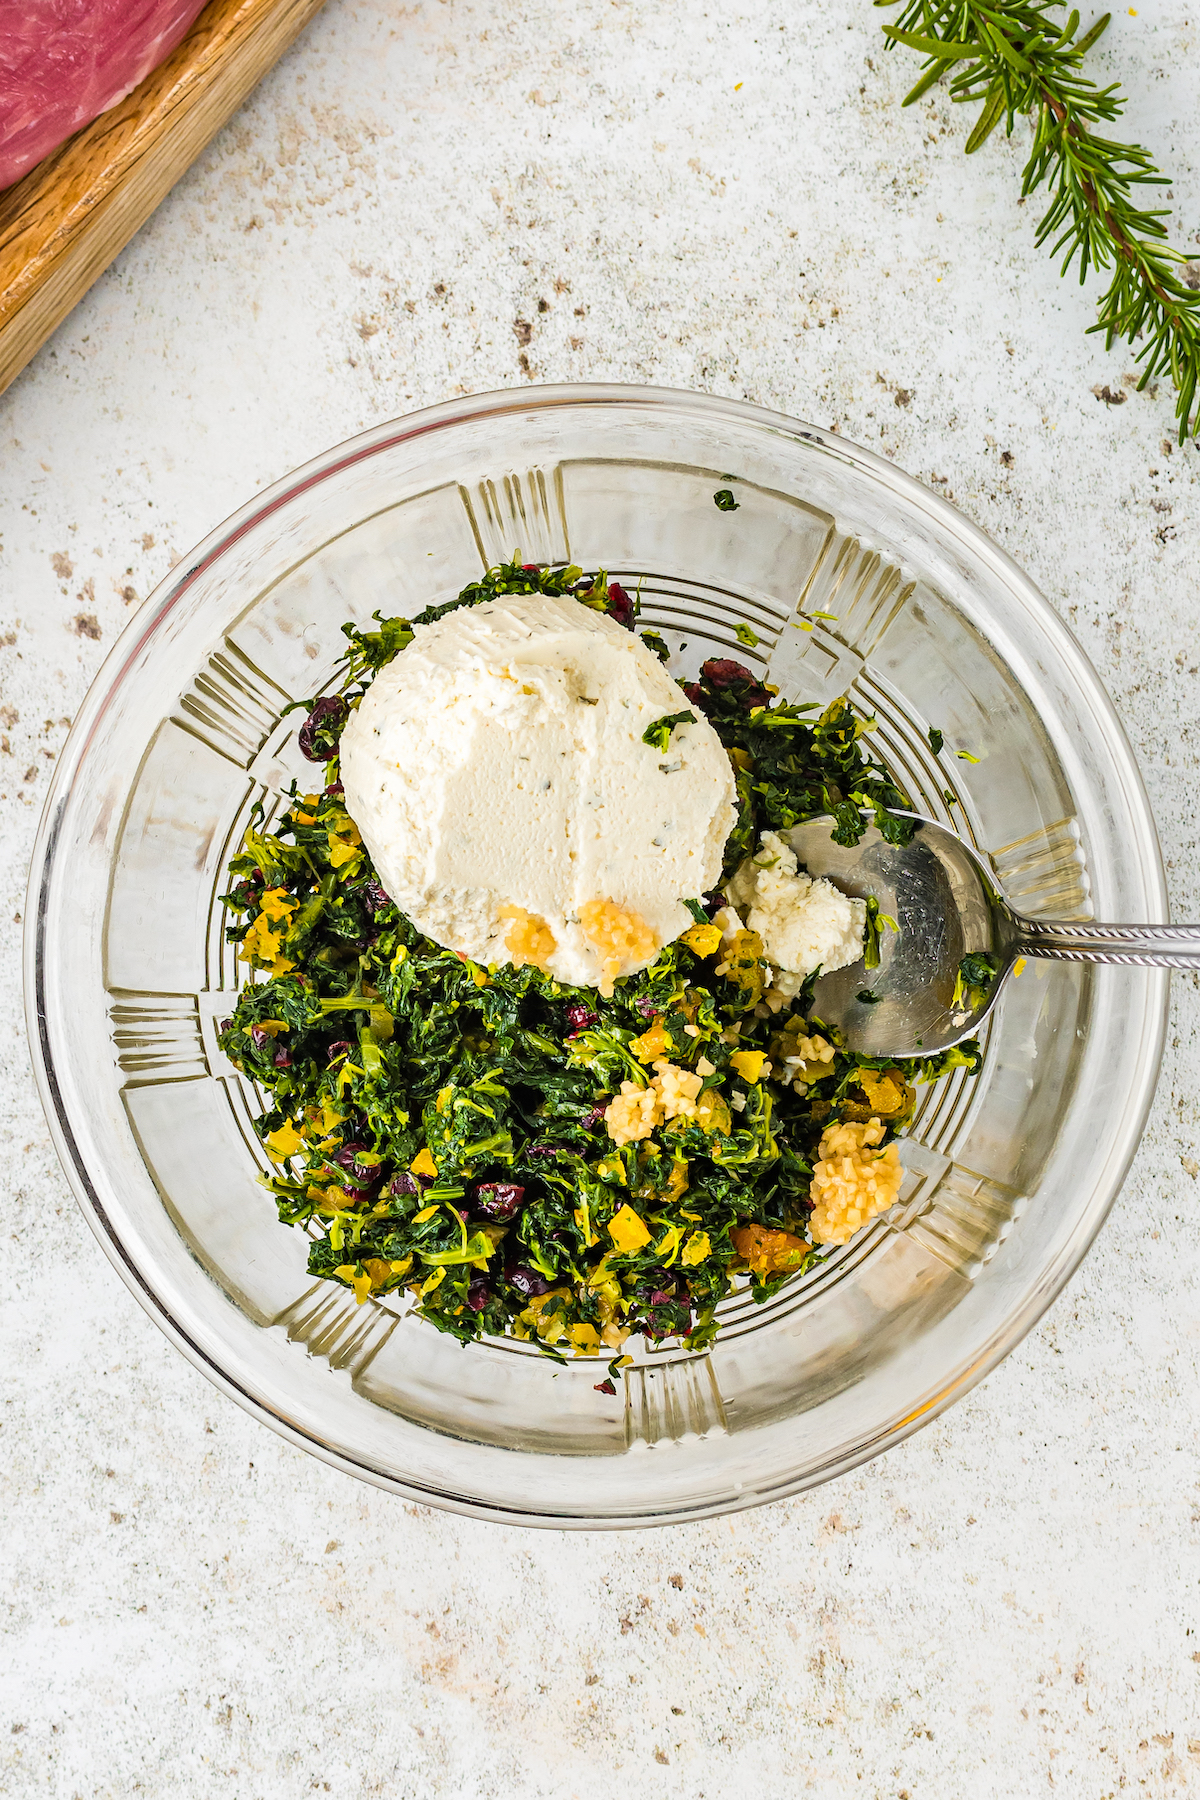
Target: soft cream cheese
(805,923)
(497,767)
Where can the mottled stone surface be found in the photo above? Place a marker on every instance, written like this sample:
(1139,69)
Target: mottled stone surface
(442,198)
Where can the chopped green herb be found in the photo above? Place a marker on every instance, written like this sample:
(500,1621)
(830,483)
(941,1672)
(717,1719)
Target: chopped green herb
(936,740)
(745,635)
(658,735)
(868,997)
(724,501)
(877,922)
(653,640)
(966,756)
(973,982)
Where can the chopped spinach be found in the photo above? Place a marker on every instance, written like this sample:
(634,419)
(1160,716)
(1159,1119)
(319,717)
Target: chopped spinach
(973,982)
(658,735)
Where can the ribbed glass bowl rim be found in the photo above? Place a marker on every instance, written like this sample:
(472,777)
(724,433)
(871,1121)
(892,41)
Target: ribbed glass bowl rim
(172,592)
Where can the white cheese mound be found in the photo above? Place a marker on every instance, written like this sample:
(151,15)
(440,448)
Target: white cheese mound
(496,767)
(805,923)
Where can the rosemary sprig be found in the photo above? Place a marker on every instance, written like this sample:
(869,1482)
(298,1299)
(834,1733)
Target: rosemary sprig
(1017,60)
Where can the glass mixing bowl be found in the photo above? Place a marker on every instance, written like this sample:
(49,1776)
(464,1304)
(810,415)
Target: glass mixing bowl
(856,580)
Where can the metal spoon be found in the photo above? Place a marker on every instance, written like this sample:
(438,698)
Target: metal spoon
(943,897)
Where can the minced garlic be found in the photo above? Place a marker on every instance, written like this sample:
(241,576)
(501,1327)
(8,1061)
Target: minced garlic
(853,1181)
(528,939)
(677,1088)
(622,937)
(635,1112)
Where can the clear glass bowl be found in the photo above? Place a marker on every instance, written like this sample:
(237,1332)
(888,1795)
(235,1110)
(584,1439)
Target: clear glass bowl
(914,613)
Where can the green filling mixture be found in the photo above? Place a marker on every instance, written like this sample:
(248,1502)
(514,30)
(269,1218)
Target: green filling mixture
(531,1159)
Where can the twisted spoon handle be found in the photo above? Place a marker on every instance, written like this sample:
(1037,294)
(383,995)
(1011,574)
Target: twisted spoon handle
(1160,946)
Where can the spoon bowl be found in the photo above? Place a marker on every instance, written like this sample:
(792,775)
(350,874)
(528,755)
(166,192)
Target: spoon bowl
(943,907)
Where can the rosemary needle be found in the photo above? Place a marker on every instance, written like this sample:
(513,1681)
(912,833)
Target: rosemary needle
(1018,60)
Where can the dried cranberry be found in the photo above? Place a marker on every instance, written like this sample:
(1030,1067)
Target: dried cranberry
(374,896)
(336,1051)
(723,672)
(671,1321)
(592,1118)
(657,1278)
(224,1026)
(478,1294)
(694,692)
(527,1281)
(322,729)
(605,1387)
(404,1183)
(645,1007)
(334,791)
(620,606)
(259,1038)
(498,1200)
(581,1017)
(531,568)
(283,1057)
(713,903)
(363,1175)
(660,1296)
(546,1150)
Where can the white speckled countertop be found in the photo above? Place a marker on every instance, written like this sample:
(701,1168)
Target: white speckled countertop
(440,198)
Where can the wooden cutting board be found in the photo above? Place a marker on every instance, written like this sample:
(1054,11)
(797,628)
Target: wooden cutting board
(63,223)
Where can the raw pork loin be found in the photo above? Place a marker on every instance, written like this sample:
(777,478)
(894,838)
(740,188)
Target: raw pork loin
(63,62)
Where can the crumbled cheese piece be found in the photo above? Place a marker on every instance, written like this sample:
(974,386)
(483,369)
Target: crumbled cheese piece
(804,924)
(730,922)
(853,1181)
(500,761)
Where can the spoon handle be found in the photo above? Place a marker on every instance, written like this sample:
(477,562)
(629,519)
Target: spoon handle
(1160,946)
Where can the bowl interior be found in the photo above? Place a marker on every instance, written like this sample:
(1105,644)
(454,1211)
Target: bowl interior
(855,581)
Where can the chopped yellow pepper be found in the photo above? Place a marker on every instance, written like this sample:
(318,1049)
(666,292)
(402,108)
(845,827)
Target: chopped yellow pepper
(652,1043)
(285,1141)
(749,1064)
(277,903)
(627,1231)
(696,1249)
(703,939)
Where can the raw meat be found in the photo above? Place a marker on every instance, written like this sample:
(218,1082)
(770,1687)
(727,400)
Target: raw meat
(63,62)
